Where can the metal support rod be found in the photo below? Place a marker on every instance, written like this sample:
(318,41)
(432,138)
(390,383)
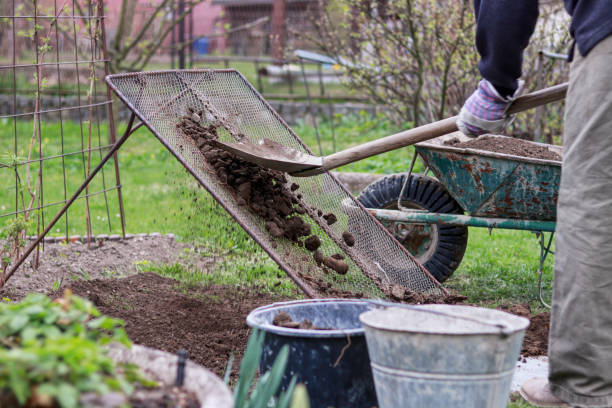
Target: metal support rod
(419,216)
(130,129)
(111,124)
(278,29)
(544,251)
(181,34)
(539,113)
(310,109)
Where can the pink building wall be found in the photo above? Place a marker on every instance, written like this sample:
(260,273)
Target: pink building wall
(206,17)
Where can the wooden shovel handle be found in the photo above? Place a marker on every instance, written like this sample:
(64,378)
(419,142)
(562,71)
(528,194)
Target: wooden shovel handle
(433,130)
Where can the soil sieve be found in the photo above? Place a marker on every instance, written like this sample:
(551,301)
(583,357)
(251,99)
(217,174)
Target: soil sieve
(168,102)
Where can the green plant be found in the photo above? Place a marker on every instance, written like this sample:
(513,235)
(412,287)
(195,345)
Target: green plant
(264,390)
(51,351)
(12,240)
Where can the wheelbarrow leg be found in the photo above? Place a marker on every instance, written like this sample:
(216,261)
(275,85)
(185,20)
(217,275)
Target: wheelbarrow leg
(544,251)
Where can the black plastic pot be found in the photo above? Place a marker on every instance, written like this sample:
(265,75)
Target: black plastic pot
(333,364)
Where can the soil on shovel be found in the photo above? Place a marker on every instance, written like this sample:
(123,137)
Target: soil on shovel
(265,192)
(513,146)
(207,321)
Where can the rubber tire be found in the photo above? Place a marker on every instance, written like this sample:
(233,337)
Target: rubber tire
(431,195)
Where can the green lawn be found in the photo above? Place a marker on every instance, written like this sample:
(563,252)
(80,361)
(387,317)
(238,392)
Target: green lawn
(499,267)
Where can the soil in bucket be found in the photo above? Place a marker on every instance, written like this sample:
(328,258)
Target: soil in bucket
(282,319)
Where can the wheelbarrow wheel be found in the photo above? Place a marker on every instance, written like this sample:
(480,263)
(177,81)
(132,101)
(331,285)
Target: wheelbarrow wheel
(440,248)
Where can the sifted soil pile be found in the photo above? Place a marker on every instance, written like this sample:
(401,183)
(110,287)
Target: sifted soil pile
(209,322)
(513,146)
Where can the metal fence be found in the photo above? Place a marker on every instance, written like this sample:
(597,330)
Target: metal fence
(56,116)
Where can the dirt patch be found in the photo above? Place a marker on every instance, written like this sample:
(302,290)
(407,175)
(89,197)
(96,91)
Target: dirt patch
(210,321)
(513,146)
(536,337)
(62,263)
(535,342)
(207,321)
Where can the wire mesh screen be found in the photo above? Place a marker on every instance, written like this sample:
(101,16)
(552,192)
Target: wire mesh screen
(55,116)
(224,99)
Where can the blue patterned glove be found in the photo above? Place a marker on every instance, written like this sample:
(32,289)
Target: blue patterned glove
(485,111)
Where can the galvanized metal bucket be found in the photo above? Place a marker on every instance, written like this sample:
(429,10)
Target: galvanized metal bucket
(443,355)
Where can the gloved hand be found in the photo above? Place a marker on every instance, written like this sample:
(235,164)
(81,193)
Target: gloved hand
(485,110)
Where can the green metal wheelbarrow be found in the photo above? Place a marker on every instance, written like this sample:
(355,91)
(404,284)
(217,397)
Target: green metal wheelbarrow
(471,188)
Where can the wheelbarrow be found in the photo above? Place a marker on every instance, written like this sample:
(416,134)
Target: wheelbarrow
(471,188)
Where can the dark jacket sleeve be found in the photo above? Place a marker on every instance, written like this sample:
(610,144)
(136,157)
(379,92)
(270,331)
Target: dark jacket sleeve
(503,29)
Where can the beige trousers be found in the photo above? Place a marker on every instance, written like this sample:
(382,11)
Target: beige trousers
(580,342)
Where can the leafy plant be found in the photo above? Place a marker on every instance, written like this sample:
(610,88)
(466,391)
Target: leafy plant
(51,352)
(11,242)
(266,388)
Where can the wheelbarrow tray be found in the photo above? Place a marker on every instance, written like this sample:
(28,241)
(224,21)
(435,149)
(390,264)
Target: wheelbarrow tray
(490,184)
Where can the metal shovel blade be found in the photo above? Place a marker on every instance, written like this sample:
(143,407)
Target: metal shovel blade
(270,154)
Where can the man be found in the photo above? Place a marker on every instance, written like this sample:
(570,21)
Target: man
(580,341)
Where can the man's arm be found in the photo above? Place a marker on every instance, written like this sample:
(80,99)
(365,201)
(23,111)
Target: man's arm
(503,29)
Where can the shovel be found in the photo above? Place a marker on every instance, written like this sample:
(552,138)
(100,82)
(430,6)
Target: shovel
(276,156)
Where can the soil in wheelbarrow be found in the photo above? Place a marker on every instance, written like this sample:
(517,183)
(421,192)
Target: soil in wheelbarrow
(513,146)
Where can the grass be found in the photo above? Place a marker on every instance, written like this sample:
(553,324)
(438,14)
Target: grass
(160,196)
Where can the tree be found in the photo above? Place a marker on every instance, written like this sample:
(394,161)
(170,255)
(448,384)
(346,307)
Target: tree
(134,44)
(418,57)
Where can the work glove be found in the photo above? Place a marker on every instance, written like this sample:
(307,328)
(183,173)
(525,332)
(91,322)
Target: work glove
(485,110)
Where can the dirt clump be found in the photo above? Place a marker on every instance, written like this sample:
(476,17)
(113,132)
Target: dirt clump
(348,238)
(263,191)
(312,243)
(318,257)
(330,218)
(506,145)
(282,319)
(336,264)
